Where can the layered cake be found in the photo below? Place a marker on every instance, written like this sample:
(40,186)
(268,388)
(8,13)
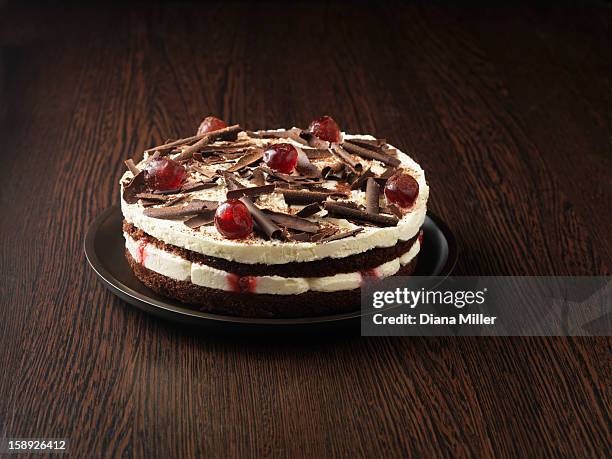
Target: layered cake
(272,223)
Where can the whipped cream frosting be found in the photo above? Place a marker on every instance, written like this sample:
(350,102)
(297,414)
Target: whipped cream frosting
(206,240)
(178,268)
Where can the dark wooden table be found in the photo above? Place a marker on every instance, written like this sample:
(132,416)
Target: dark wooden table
(510,113)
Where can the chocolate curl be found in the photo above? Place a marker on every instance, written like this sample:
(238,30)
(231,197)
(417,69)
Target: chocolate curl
(176,143)
(258,177)
(265,224)
(231,182)
(361,181)
(337,236)
(292,222)
(345,157)
(247,160)
(313,140)
(132,167)
(317,153)
(372,144)
(191,208)
(370,154)
(195,186)
(152,197)
(250,191)
(137,185)
(372,197)
(200,220)
(206,139)
(309,210)
(356,214)
(334,169)
(306,197)
(388,173)
(293,134)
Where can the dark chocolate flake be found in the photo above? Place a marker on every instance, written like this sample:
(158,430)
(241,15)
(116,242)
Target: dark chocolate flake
(346,158)
(264,223)
(202,219)
(309,210)
(172,212)
(372,197)
(247,160)
(292,222)
(250,191)
(306,197)
(343,235)
(337,210)
(370,154)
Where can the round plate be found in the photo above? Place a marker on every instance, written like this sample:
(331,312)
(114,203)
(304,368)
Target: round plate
(104,249)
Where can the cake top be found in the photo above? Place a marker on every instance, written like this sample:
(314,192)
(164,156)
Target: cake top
(287,188)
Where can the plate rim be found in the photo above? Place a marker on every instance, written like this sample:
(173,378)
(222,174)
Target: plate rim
(184,314)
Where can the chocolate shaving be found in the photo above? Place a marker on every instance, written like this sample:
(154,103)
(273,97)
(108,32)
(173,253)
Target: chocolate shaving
(132,167)
(263,221)
(356,214)
(209,173)
(247,160)
(148,203)
(360,182)
(135,186)
(206,139)
(388,173)
(171,212)
(317,153)
(309,210)
(300,237)
(345,157)
(152,197)
(372,144)
(370,154)
(176,143)
(250,191)
(313,141)
(205,218)
(324,233)
(372,197)
(292,222)
(338,236)
(278,175)
(306,197)
(195,186)
(293,134)
(231,182)
(258,177)
(335,169)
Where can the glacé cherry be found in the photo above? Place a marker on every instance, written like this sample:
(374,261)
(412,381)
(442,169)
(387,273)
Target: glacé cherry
(402,189)
(281,157)
(233,220)
(164,174)
(211,123)
(325,128)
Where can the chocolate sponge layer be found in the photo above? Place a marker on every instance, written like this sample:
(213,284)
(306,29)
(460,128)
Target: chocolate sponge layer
(318,268)
(306,304)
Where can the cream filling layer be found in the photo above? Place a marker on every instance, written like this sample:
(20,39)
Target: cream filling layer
(208,241)
(175,267)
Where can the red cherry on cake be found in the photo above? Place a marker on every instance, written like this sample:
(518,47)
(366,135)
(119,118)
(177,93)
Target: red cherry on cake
(233,220)
(164,174)
(211,123)
(402,189)
(325,128)
(281,157)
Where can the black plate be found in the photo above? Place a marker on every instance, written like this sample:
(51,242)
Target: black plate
(104,249)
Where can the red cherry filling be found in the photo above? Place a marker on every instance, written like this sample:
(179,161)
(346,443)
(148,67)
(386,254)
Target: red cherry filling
(211,123)
(164,174)
(402,189)
(233,219)
(281,157)
(325,128)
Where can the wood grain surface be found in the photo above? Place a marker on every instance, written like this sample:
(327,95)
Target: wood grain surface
(508,110)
